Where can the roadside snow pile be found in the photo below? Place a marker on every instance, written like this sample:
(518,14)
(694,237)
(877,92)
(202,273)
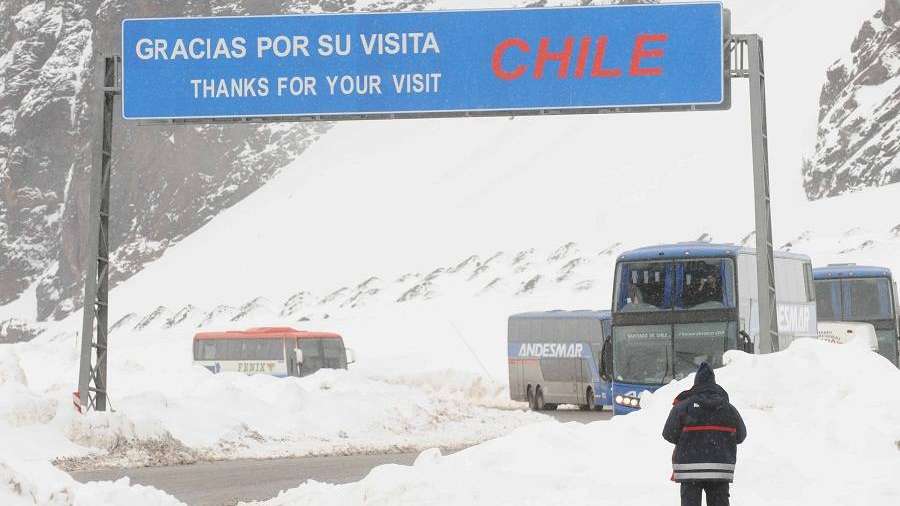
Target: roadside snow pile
(168,411)
(29,483)
(823,421)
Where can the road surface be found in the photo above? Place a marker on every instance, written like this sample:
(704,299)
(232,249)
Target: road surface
(229,482)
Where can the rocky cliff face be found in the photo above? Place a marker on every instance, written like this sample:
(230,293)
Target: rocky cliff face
(167,180)
(859,113)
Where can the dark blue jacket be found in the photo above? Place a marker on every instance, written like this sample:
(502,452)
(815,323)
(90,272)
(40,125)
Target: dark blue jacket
(705,429)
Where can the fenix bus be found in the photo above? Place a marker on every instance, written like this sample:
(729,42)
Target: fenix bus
(676,306)
(555,358)
(277,351)
(856,293)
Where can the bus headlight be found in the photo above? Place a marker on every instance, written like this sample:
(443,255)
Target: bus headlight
(628,401)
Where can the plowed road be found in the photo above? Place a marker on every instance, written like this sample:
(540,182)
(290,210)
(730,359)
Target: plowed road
(229,482)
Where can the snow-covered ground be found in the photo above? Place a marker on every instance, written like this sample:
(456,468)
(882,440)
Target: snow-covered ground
(416,240)
(823,423)
(168,411)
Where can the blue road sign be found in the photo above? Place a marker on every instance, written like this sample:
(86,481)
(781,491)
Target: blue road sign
(439,62)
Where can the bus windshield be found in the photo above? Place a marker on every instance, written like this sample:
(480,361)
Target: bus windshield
(322,354)
(653,355)
(675,285)
(239,349)
(643,357)
(860,299)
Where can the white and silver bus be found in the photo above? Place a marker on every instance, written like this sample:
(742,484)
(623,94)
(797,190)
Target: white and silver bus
(276,351)
(858,293)
(675,306)
(558,357)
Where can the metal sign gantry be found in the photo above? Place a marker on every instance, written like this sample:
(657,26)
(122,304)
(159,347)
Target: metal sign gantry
(748,62)
(92,393)
(743,57)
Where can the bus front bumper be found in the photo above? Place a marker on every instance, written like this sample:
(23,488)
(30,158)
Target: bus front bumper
(627,397)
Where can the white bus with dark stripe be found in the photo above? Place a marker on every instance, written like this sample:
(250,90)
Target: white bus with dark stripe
(274,351)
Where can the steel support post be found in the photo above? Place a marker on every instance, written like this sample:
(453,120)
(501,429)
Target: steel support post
(752,46)
(92,371)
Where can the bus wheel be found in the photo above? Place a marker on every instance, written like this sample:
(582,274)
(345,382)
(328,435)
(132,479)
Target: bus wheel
(529,398)
(589,404)
(539,400)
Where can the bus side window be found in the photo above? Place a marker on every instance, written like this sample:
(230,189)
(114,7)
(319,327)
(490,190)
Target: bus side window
(334,355)
(208,350)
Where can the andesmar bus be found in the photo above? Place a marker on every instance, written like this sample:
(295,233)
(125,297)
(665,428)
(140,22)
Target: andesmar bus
(559,357)
(857,293)
(677,306)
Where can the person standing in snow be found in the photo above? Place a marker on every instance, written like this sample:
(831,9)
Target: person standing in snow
(705,429)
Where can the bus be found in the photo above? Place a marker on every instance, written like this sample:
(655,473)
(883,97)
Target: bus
(276,351)
(857,293)
(677,306)
(558,357)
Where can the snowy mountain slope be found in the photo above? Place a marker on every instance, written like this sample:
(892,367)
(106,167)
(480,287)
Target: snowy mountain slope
(390,198)
(168,181)
(817,435)
(858,143)
(398,320)
(44,159)
(367,233)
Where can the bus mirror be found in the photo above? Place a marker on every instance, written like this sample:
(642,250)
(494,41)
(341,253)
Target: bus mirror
(299,354)
(605,366)
(746,342)
(351,356)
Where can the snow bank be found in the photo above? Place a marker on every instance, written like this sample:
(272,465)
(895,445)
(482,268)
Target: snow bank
(168,411)
(823,423)
(28,483)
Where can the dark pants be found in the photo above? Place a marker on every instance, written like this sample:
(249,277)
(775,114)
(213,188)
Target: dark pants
(716,493)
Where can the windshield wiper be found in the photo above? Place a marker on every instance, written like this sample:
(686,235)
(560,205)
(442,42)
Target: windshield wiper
(666,373)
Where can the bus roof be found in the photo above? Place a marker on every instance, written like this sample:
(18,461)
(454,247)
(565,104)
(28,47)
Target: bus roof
(560,313)
(695,250)
(267,333)
(840,271)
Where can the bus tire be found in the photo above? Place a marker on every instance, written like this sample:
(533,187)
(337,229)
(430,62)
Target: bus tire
(589,404)
(539,400)
(529,398)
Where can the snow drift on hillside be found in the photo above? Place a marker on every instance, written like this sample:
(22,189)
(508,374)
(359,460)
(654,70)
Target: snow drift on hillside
(823,423)
(453,314)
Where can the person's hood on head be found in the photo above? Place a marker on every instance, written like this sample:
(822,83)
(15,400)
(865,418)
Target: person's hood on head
(705,375)
(705,390)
